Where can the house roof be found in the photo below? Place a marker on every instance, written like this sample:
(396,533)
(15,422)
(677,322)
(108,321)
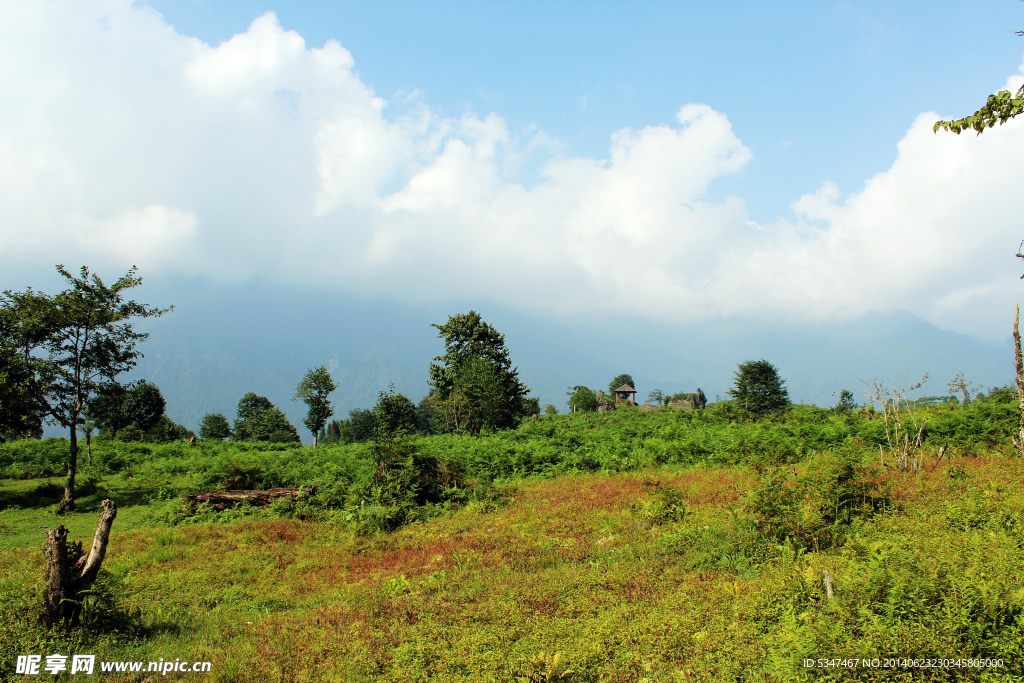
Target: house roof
(625,387)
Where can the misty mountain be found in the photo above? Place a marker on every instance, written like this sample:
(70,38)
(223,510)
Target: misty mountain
(221,342)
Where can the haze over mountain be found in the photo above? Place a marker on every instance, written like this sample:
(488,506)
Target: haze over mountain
(222,342)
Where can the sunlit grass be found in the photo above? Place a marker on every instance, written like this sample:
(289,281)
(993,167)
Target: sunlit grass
(656,574)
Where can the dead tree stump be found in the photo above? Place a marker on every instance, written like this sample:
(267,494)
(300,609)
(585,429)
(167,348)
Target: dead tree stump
(69,569)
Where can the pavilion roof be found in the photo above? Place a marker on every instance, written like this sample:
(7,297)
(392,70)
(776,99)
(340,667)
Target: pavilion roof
(625,387)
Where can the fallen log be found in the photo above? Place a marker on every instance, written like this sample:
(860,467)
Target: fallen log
(69,570)
(222,500)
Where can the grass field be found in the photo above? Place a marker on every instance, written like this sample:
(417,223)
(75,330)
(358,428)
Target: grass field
(703,563)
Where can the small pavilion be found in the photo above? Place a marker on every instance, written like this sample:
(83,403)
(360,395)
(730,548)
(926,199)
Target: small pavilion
(625,395)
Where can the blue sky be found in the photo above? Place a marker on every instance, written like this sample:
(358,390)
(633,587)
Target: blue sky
(817,90)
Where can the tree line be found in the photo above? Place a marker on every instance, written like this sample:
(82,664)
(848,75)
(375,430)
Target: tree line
(61,357)
(473,387)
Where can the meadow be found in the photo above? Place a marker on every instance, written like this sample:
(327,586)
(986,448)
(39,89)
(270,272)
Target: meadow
(674,545)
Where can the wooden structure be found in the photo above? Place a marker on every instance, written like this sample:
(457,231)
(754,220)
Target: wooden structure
(625,396)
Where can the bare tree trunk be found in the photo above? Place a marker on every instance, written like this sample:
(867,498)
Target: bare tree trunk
(69,570)
(68,503)
(1018,439)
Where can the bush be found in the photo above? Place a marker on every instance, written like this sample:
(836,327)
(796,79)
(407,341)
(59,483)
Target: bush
(818,509)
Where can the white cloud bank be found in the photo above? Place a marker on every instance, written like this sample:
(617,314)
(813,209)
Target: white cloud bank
(123,142)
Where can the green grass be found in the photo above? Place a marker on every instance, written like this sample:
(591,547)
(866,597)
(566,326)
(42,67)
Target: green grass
(654,564)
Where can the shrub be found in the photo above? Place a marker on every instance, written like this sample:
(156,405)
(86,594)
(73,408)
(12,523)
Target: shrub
(817,509)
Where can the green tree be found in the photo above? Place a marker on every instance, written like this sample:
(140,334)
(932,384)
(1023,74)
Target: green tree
(701,399)
(214,426)
(479,399)
(845,403)
(250,407)
(531,406)
(475,375)
(361,423)
(618,382)
(19,414)
(582,399)
(550,409)
(313,390)
(273,426)
(143,405)
(394,413)
(656,396)
(260,420)
(166,430)
(69,345)
(404,479)
(428,422)
(759,389)
(105,409)
(115,407)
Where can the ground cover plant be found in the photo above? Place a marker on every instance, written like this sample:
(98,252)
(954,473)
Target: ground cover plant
(664,546)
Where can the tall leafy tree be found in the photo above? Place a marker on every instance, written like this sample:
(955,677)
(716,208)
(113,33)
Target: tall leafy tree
(105,408)
(115,407)
(619,381)
(476,375)
(428,422)
(759,388)
(71,344)
(144,405)
(360,424)
(394,414)
(846,402)
(313,390)
(260,420)
(582,399)
(250,407)
(19,414)
(214,426)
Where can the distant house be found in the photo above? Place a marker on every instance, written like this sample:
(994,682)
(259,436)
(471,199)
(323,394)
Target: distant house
(625,396)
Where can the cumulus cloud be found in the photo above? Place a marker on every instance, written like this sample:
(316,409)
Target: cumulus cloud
(123,141)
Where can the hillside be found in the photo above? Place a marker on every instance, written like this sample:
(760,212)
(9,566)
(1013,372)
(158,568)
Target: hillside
(672,546)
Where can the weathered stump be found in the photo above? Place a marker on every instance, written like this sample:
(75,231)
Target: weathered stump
(69,569)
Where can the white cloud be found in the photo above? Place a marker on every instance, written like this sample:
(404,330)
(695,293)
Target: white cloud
(262,156)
